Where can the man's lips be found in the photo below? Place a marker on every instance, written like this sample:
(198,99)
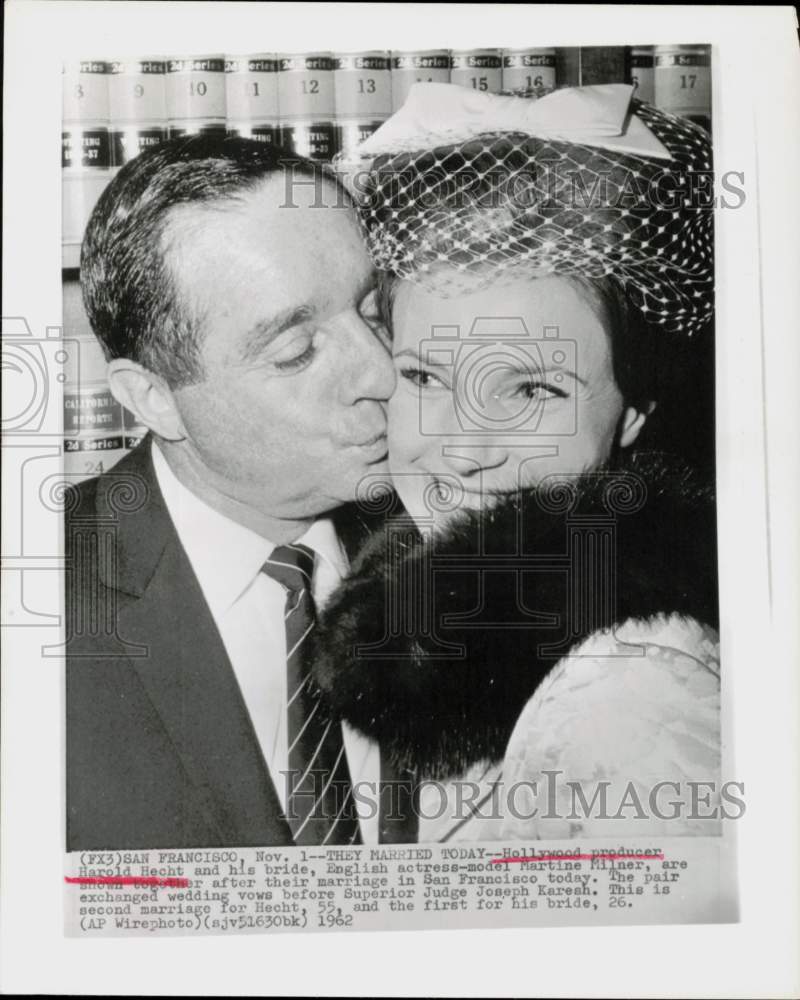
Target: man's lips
(373,442)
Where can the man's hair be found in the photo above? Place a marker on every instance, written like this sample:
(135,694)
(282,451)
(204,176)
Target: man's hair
(131,295)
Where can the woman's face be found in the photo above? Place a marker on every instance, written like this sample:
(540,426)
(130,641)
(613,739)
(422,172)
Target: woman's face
(498,388)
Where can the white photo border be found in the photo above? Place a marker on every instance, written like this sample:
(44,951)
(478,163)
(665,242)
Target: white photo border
(757,315)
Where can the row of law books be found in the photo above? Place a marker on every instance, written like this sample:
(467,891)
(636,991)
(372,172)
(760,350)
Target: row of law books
(319,104)
(314,104)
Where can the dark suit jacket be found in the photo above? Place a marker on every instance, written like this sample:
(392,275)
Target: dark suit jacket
(160,748)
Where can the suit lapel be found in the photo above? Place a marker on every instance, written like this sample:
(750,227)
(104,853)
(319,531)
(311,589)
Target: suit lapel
(187,674)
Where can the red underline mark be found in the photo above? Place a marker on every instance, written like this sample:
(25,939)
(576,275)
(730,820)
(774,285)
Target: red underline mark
(167,883)
(580,857)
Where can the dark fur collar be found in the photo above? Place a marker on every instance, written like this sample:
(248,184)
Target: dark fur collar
(433,649)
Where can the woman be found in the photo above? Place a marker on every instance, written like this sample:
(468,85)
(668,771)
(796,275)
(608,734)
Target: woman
(536,629)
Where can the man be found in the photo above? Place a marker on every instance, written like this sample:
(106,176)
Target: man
(229,288)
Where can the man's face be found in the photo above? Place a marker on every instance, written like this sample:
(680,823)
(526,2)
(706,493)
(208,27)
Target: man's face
(289,415)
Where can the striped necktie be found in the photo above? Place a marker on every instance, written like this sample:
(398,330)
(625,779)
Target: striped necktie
(319,803)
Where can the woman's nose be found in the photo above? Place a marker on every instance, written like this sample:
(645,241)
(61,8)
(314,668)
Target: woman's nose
(467,461)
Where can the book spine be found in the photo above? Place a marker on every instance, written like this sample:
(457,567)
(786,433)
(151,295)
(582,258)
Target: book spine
(641,73)
(138,105)
(363,94)
(408,68)
(85,149)
(479,69)
(195,95)
(94,429)
(601,64)
(251,89)
(682,81)
(529,71)
(307,104)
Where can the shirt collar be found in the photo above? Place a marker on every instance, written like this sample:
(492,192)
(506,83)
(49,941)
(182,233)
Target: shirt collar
(226,556)
(322,538)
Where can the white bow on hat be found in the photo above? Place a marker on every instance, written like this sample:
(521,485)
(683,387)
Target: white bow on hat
(439,114)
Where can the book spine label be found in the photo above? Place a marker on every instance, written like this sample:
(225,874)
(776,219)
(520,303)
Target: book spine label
(409,68)
(314,140)
(91,412)
(682,80)
(306,88)
(352,132)
(177,129)
(95,435)
(195,91)
(85,93)
(85,149)
(529,70)
(251,87)
(130,141)
(363,86)
(137,91)
(259,133)
(480,69)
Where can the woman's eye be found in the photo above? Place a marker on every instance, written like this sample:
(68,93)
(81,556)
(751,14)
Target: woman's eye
(539,390)
(421,378)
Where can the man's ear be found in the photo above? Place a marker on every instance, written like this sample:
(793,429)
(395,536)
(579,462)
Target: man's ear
(147,396)
(632,422)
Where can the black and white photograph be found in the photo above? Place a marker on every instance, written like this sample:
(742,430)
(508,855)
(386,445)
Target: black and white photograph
(477,347)
(394,440)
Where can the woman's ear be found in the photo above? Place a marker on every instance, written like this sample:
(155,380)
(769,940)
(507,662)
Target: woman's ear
(147,396)
(632,422)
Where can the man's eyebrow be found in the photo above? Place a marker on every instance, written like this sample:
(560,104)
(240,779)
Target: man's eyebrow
(265,331)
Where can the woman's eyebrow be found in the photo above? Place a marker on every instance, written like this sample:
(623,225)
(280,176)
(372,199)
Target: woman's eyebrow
(528,371)
(408,352)
(534,370)
(564,371)
(265,331)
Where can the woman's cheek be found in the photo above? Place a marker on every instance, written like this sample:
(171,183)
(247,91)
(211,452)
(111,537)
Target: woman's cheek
(403,430)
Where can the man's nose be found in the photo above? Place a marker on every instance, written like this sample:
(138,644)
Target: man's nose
(371,374)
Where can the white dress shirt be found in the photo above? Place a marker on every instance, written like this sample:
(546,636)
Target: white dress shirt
(248,607)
